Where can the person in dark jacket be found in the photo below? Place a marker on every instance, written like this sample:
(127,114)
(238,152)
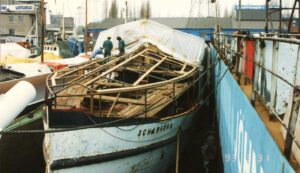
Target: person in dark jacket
(107,46)
(121,45)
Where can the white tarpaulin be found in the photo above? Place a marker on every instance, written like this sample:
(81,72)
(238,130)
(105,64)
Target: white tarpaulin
(70,61)
(182,46)
(29,69)
(13,49)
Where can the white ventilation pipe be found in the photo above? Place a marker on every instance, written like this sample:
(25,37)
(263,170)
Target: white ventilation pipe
(13,102)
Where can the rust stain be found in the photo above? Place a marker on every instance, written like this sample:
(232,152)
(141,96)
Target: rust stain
(273,126)
(140,165)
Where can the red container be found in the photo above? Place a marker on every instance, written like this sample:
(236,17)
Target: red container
(248,60)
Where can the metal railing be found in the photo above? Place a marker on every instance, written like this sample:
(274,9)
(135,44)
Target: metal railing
(271,65)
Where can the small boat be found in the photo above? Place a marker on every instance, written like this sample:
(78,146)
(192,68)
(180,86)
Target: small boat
(120,114)
(34,73)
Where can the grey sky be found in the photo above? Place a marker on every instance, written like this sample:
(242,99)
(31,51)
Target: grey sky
(159,8)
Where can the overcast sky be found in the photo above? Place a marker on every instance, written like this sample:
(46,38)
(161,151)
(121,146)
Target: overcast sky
(159,8)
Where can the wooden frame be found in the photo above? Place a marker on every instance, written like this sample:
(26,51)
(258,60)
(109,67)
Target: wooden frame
(104,90)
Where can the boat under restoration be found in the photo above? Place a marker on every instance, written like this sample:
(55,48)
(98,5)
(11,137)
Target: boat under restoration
(119,114)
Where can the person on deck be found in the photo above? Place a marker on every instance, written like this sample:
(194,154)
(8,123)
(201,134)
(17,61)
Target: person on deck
(96,52)
(121,45)
(107,45)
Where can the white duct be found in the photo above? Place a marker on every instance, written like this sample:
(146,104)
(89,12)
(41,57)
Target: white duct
(14,101)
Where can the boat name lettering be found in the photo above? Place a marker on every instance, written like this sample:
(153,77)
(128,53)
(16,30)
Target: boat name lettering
(155,130)
(12,8)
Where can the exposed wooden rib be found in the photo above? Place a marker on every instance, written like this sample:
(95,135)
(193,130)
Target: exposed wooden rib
(158,100)
(113,105)
(120,99)
(149,57)
(112,69)
(142,71)
(183,68)
(149,86)
(170,73)
(83,76)
(95,83)
(109,84)
(149,71)
(169,59)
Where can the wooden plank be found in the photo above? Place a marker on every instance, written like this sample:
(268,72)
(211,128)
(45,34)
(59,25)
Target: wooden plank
(158,100)
(109,84)
(165,101)
(120,99)
(148,71)
(149,57)
(90,73)
(166,72)
(112,69)
(113,105)
(174,61)
(72,101)
(183,68)
(192,72)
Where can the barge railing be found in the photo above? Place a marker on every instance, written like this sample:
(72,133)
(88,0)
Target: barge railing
(272,66)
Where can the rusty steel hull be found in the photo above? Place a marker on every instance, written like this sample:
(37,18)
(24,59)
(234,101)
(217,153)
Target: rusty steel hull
(146,147)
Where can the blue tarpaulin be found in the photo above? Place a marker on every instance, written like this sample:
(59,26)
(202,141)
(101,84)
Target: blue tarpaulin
(247,146)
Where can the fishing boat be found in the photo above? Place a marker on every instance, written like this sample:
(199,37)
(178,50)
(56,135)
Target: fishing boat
(123,113)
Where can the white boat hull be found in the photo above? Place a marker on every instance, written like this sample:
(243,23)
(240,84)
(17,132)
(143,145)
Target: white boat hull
(37,81)
(147,147)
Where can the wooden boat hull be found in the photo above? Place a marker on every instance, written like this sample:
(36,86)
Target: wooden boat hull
(145,147)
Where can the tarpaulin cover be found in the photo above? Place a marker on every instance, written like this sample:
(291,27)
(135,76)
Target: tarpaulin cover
(182,46)
(14,60)
(246,144)
(29,69)
(13,49)
(70,61)
(64,49)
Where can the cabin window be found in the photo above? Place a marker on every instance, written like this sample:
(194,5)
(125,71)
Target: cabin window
(54,48)
(11,19)
(11,32)
(21,19)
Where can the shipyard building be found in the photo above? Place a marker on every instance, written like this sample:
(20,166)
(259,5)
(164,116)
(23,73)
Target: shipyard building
(16,20)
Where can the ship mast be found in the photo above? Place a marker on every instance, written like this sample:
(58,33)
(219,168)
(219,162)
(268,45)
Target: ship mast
(36,24)
(126,11)
(85,31)
(42,32)
(63,23)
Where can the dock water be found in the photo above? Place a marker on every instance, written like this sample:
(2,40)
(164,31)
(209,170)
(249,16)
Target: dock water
(22,152)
